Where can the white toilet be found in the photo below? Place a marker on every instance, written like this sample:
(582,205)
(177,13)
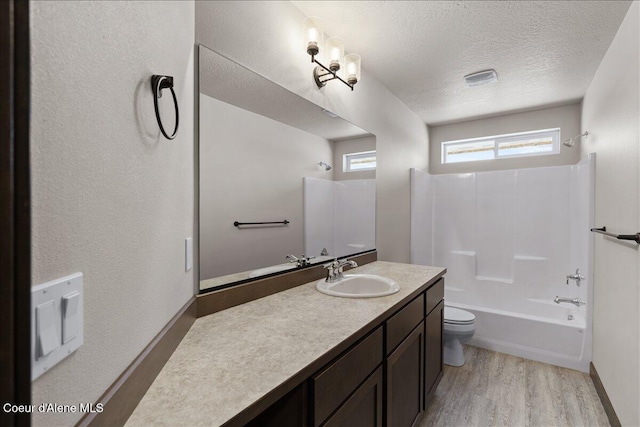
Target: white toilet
(459,327)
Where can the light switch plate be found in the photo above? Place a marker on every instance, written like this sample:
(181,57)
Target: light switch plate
(47,335)
(56,322)
(188,253)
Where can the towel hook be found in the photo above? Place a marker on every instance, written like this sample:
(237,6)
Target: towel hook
(158,83)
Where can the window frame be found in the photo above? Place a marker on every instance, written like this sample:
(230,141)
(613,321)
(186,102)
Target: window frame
(554,133)
(349,157)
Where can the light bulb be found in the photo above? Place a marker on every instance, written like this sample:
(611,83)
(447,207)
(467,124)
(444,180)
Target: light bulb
(313,35)
(335,54)
(312,30)
(353,63)
(335,49)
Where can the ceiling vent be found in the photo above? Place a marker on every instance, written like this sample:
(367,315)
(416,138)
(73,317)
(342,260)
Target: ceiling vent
(481,78)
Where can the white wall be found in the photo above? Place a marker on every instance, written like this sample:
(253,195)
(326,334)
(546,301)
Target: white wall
(567,118)
(266,36)
(251,173)
(111,197)
(610,112)
(347,146)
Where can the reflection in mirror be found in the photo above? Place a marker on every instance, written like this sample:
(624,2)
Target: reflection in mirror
(268,155)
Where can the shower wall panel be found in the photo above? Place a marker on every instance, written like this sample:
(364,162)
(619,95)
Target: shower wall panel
(495,204)
(319,212)
(339,216)
(524,229)
(421,217)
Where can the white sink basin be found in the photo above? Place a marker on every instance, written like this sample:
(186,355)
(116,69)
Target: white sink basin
(359,286)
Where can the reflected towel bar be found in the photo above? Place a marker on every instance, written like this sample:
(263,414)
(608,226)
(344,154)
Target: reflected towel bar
(238,224)
(603,230)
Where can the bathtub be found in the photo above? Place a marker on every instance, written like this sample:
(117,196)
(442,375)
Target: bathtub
(536,329)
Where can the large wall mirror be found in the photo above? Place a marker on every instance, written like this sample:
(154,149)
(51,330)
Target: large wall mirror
(267,155)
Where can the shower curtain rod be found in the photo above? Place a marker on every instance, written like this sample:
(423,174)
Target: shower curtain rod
(603,230)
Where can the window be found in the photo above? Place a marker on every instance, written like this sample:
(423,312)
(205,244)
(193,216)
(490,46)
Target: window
(357,162)
(535,143)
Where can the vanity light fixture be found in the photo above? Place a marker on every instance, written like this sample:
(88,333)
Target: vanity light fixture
(333,51)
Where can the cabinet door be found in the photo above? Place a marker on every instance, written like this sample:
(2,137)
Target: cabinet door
(290,411)
(338,380)
(405,380)
(363,408)
(433,360)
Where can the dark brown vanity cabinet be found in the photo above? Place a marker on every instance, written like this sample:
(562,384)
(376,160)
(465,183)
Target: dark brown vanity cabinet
(384,379)
(405,365)
(332,386)
(364,407)
(405,381)
(434,339)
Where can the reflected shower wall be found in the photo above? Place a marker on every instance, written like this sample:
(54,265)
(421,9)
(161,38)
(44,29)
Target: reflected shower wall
(339,216)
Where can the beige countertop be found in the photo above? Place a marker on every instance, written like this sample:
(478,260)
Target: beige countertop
(231,359)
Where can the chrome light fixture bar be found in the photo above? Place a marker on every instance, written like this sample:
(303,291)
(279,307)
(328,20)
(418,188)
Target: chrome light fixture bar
(334,48)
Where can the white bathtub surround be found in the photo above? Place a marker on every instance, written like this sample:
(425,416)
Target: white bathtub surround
(339,216)
(508,240)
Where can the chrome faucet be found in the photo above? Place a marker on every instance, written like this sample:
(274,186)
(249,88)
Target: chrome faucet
(300,262)
(334,269)
(577,277)
(577,301)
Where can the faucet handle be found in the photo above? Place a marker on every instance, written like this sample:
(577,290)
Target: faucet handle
(331,270)
(332,264)
(576,276)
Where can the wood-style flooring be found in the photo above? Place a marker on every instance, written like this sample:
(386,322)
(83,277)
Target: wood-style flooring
(496,389)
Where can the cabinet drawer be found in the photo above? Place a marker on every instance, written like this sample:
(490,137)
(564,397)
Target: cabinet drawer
(403,322)
(435,294)
(364,407)
(335,383)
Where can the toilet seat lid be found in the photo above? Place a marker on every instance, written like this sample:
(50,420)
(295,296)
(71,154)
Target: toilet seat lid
(457,316)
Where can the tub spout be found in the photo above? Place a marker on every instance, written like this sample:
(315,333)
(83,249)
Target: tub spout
(577,301)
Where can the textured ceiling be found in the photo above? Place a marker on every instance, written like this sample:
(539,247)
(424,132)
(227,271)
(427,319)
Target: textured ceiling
(545,52)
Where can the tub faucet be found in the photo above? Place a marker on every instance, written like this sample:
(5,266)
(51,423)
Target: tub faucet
(577,277)
(577,301)
(334,269)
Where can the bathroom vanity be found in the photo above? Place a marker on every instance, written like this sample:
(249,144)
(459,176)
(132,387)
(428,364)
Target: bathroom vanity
(300,357)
